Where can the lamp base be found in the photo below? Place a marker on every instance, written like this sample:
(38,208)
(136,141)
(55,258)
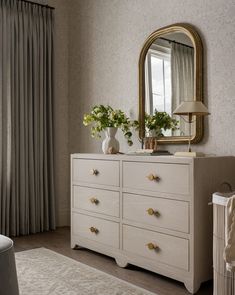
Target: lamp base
(189,154)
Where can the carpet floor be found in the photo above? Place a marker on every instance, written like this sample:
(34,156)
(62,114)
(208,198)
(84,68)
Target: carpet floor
(45,272)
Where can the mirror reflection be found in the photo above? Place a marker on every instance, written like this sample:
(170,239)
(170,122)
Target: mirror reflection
(169,77)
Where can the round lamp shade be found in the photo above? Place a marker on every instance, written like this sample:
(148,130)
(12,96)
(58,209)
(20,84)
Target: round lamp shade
(191,107)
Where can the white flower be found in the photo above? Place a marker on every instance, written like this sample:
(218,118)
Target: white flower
(99,115)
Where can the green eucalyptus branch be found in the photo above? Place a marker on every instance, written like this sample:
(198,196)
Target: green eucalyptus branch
(159,121)
(102,117)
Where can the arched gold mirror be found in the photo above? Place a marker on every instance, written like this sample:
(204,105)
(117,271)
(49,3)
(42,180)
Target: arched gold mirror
(170,71)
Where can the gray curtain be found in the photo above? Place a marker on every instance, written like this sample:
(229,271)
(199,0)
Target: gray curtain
(26,118)
(182,72)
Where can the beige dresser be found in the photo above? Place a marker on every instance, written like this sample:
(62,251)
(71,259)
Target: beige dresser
(150,211)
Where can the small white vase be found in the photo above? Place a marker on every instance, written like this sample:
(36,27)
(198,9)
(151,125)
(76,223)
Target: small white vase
(110,142)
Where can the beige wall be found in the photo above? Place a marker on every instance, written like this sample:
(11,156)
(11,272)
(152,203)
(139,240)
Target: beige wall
(105,39)
(97,46)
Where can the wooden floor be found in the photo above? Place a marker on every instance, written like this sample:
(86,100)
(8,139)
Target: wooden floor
(59,241)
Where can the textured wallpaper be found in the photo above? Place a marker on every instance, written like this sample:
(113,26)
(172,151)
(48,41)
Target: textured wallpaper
(97,47)
(105,39)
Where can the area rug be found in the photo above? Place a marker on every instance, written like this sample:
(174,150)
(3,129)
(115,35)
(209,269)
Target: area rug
(45,272)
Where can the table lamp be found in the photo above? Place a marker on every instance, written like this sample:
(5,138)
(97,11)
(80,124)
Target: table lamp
(190,109)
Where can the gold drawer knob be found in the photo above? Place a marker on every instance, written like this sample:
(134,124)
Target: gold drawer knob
(94,230)
(94,172)
(94,201)
(151,246)
(151,211)
(153,177)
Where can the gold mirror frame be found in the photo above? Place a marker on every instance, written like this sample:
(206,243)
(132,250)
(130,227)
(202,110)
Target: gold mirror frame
(198,80)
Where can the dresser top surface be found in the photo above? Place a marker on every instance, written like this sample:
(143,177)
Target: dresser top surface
(146,158)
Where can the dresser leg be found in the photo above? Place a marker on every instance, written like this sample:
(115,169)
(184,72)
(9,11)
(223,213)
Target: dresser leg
(121,262)
(192,287)
(77,247)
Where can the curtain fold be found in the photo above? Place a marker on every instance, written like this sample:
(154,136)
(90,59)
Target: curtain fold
(182,72)
(27,201)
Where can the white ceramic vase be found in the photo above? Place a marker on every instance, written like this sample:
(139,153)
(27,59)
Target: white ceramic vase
(110,143)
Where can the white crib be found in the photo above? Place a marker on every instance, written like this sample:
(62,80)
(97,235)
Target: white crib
(224,282)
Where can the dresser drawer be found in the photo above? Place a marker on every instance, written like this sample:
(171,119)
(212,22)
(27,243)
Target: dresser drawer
(159,177)
(96,171)
(96,229)
(171,250)
(159,212)
(96,200)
